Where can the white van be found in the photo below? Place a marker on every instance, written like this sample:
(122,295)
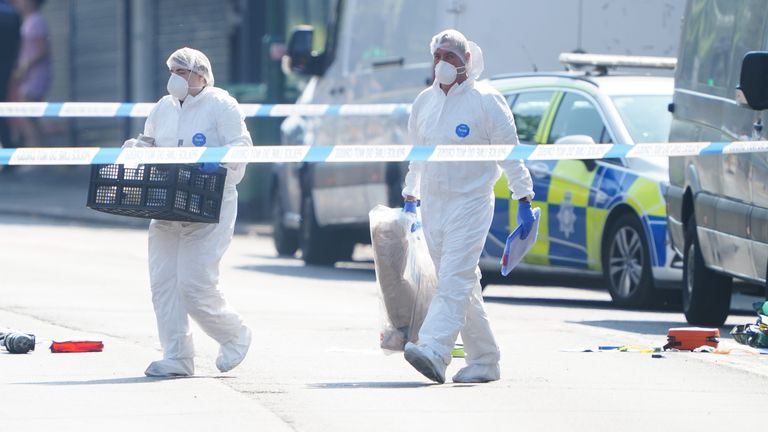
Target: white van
(717,205)
(377,52)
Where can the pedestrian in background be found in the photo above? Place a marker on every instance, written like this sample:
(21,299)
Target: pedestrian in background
(184,256)
(32,75)
(10,28)
(457,206)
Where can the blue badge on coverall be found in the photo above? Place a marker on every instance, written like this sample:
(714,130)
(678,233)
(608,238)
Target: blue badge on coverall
(462,130)
(198,139)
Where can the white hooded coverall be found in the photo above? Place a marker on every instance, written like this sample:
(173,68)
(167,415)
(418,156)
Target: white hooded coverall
(457,208)
(184,256)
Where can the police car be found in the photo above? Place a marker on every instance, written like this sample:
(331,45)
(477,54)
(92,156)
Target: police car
(599,216)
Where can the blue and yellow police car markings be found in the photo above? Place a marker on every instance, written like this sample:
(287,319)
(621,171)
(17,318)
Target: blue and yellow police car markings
(648,197)
(575,204)
(505,220)
(611,186)
(567,234)
(541,173)
(596,218)
(643,196)
(570,232)
(568,197)
(539,253)
(607,191)
(648,201)
(658,227)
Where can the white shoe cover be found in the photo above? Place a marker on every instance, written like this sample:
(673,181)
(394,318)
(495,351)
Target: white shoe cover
(479,373)
(425,361)
(171,368)
(232,353)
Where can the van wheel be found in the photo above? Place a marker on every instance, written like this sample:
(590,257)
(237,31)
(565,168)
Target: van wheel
(286,240)
(706,293)
(627,264)
(313,240)
(321,246)
(342,247)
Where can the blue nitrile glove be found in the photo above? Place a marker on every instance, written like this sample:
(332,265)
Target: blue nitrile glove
(209,167)
(524,218)
(409,210)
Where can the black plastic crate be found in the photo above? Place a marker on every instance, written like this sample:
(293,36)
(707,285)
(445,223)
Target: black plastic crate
(177,192)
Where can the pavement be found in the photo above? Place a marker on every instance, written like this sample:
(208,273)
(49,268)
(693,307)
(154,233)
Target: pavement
(347,386)
(101,391)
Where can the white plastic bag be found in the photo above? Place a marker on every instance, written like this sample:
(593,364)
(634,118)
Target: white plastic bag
(405,274)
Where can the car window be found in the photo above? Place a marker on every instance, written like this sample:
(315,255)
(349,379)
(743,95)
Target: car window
(646,116)
(528,109)
(578,116)
(510,99)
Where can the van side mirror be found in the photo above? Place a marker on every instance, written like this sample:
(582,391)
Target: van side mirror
(753,86)
(300,58)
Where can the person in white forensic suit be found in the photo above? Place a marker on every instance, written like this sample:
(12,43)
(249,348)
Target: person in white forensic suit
(457,206)
(184,256)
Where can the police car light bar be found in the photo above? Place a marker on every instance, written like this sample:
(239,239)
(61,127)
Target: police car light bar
(609,60)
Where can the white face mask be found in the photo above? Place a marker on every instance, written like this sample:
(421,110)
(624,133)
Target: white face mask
(178,87)
(445,73)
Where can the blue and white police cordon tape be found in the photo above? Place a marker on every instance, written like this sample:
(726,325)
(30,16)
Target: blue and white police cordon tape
(365,153)
(122,110)
(343,153)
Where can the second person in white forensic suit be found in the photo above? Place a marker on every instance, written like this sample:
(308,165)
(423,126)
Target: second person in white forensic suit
(457,206)
(184,256)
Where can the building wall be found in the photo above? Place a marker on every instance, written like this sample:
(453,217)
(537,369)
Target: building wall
(201,24)
(92,53)
(115,51)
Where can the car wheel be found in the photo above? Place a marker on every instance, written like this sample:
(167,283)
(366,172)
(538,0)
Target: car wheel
(627,264)
(286,240)
(706,293)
